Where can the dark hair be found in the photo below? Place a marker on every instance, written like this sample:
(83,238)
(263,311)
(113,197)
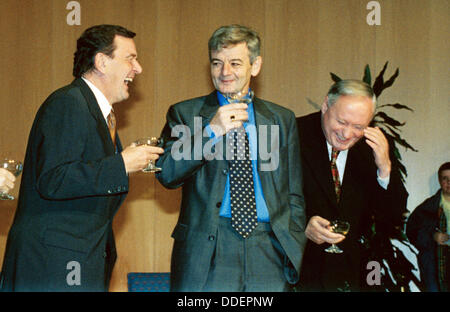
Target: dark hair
(444,166)
(94,40)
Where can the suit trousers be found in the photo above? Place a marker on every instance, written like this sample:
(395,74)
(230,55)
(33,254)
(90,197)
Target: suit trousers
(252,264)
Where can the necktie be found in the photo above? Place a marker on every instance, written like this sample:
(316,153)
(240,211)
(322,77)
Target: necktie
(335,173)
(112,126)
(242,194)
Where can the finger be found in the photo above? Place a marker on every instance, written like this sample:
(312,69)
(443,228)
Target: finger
(238,116)
(155,149)
(240,106)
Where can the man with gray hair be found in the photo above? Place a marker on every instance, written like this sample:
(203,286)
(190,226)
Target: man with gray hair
(348,176)
(241,224)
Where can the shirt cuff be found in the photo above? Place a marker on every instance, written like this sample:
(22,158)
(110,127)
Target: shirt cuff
(383,182)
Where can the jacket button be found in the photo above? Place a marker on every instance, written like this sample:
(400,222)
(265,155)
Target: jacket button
(219,204)
(225,171)
(104,254)
(211,237)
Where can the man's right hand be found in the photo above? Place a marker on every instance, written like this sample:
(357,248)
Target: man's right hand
(137,158)
(441,238)
(7,180)
(318,230)
(228,117)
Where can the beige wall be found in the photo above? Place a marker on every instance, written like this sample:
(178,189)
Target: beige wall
(303,40)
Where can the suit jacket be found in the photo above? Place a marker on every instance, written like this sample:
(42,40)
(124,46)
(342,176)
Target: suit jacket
(203,182)
(361,199)
(422,224)
(72,185)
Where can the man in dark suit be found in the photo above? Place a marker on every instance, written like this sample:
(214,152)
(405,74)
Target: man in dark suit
(75,174)
(363,184)
(215,250)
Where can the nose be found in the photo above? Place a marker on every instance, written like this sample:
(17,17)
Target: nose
(137,67)
(226,69)
(348,133)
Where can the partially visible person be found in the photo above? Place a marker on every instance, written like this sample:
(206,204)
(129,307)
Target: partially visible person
(428,230)
(75,174)
(7,180)
(348,175)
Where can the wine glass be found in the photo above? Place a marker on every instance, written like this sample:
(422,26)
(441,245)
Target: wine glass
(152,141)
(15,167)
(341,227)
(237,97)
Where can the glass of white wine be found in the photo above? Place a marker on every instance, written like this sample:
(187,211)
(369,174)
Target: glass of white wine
(13,166)
(341,227)
(151,141)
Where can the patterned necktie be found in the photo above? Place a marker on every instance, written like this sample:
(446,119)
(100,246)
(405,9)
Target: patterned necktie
(112,126)
(242,194)
(335,173)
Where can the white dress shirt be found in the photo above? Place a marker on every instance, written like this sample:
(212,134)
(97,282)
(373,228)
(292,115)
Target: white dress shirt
(342,160)
(105,107)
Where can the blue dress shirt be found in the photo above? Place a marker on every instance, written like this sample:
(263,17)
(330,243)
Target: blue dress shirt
(261,207)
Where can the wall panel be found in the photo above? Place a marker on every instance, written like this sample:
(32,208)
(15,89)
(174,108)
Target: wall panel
(303,40)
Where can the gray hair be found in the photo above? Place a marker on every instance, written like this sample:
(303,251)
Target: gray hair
(234,34)
(350,87)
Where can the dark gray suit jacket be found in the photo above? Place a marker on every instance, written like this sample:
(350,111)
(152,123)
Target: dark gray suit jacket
(203,182)
(72,185)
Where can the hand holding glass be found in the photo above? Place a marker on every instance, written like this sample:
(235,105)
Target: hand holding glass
(151,141)
(15,167)
(340,227)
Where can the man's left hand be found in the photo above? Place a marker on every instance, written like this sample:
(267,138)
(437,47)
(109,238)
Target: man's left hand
(379,144)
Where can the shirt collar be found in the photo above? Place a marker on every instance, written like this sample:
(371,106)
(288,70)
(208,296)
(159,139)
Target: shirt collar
(103,103)
(341,153)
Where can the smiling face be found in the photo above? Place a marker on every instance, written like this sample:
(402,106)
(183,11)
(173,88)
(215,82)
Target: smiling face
(120,69)
(344,122)
(231,70)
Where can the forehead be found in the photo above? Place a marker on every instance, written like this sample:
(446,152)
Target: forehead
(445,173)
(124,45)
(235,51)
(354,109)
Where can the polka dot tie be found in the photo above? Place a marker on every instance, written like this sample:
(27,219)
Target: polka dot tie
(242,194)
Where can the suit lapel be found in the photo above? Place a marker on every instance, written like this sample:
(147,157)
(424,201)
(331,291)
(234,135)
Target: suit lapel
(263,117)
(316,156)
(95,111)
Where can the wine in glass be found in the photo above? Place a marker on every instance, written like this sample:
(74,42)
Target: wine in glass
(238,97)
(341,227)
(15,167)
(152,141)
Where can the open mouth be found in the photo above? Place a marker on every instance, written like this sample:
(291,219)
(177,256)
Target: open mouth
(128,80)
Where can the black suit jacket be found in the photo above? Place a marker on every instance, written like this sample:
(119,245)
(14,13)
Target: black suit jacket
(72,185)
(203,183)
(361,199)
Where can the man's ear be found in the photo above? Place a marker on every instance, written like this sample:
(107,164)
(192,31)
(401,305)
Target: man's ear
(256,66)
(324,107)
(100,62)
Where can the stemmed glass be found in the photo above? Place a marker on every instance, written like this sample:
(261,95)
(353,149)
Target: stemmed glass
(341,227)
(152,141)
(237,97)
(15,167)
